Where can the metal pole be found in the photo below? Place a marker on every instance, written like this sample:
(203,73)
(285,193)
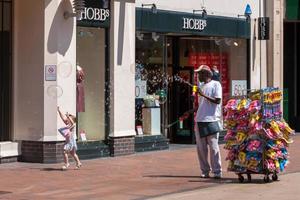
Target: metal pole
(260,50)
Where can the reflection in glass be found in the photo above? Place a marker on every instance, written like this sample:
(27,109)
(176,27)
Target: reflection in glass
(91,85)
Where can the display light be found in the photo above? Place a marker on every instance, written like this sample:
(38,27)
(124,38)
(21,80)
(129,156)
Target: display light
(203,12)
(78,6)
(153,7)
(155,37)
(139,35)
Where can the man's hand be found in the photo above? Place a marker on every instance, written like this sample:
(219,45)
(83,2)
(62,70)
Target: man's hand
(200,92)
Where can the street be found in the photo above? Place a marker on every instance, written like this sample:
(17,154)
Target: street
(170,174)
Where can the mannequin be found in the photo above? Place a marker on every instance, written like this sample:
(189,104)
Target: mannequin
(80,89)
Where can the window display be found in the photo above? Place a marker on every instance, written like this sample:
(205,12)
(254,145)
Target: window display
(90,83)
(167,68)
(150,76)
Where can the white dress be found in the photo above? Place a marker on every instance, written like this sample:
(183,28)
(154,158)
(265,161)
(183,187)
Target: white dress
(70,143)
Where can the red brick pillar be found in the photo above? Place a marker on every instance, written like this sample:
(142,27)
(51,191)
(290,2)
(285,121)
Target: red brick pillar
(120,146)
(42,152)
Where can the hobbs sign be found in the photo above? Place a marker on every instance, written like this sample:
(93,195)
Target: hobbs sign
(97,14)
(194,24)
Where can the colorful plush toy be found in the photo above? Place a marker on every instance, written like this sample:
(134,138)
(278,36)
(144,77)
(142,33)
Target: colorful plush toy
(240,137)
(257,137)
(254,145)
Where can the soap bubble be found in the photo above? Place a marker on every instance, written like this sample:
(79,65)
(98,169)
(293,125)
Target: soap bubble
(54,91)
(65,69)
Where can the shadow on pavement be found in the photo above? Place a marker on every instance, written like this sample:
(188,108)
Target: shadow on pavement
(170,176)
(230,181)
(51,169)
(4,192)
(224,180)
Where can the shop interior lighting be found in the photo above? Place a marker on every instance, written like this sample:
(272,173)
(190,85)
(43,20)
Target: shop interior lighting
(155,37)
(78,6)
(139,35)
(228,41)
(218,42)
(235,43)
(153,7)
(203,12)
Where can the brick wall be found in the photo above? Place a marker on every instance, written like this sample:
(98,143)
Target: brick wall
(8,159)
(121,146)
(42,152)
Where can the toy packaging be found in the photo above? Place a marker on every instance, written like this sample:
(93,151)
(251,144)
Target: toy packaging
(257,137)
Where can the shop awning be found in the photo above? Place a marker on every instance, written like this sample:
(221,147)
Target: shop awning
(164,21)
(293,9)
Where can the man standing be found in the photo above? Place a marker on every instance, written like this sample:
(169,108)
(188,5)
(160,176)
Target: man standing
(210,95)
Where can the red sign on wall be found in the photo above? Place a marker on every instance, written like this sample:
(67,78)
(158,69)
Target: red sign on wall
(192,59)
(213,59)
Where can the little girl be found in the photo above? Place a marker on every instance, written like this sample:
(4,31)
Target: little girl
(70,145)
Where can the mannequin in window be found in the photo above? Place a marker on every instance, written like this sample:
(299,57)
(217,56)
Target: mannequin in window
(80,89)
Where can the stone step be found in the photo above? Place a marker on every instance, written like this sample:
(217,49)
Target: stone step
(9,149)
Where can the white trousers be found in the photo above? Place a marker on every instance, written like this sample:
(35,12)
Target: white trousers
(212,142)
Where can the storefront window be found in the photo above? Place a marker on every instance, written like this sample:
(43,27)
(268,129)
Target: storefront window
(167,65)
(228,56)
(152,56)
(91,82)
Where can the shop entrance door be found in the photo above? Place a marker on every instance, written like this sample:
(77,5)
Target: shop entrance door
(5,68)
(291,104)
(183,102)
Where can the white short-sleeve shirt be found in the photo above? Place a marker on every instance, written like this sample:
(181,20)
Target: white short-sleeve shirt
(208,111)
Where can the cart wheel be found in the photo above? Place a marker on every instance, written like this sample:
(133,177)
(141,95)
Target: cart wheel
(275,177)
(249,177)
(266,179)
(241,178)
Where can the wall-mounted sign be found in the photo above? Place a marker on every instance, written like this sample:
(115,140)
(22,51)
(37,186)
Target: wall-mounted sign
(239,87)
(263,28)
(140,89)
(166,21)
(95,14)
(50,72)
(194,24)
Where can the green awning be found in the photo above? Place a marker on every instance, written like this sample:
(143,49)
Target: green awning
(293,9)
(174,22)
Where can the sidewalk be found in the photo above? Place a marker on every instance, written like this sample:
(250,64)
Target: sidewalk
(141,176)
(285,189)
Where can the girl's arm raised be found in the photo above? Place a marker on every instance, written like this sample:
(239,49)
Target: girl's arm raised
(62,116)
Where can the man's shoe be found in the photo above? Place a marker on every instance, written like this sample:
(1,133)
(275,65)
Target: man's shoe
(204,176)
(218,176)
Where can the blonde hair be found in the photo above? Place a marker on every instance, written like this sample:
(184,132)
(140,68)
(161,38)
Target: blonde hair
(72,118)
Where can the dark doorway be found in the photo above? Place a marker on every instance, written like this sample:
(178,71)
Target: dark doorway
(292,72)
(183,102)
(5,67)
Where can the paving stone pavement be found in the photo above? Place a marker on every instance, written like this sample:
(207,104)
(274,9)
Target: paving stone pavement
(140,176)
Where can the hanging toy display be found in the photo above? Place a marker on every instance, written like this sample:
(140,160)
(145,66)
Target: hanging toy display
(257,137)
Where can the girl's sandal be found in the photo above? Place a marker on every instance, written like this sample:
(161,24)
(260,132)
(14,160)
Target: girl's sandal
(78,165)
(65,166)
